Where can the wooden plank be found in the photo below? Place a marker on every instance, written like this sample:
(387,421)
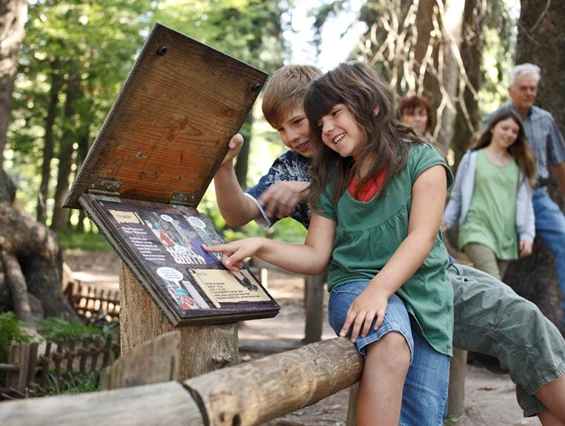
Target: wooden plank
(151,362)
(169,128)
(14,359)
(267,388)
(203,348)
(33,351)
(24,368)
(163,404)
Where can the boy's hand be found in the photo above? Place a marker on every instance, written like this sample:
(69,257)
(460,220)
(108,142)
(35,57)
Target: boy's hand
(281,199)
(370,304)
(235,252)
(236,142)
(525,248)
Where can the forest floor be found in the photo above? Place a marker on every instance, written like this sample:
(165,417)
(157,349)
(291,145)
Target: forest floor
(489,398)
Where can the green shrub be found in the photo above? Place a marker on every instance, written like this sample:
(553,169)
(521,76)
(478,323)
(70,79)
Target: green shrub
(55,329)
(72,384)
(10,332)
(90,241)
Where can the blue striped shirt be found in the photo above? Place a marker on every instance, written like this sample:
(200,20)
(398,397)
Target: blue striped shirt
(544,136)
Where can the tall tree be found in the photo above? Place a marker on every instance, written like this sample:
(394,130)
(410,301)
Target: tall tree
(541,41)
(30,259)
(415,46)
(467,120)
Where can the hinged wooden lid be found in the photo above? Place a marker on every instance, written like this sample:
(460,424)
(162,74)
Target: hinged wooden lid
(169,128)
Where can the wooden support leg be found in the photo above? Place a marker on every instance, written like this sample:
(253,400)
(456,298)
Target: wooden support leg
(456,403)
(314,306)
(352,406)
(203,348)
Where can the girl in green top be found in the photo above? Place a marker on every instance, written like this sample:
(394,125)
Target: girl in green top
(377,193)
(492,196)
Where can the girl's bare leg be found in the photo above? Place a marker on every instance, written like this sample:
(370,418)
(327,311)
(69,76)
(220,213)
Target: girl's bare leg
(552,394)
(380,389)
(548,419)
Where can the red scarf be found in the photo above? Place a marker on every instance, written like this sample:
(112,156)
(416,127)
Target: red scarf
(370,189)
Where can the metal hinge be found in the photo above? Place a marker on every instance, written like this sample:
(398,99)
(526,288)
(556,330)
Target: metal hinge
(105,187)
(182,198)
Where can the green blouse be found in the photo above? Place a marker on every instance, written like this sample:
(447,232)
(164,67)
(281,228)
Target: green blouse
(368,234)
(491,220)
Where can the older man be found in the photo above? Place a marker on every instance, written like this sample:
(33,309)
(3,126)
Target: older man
(549,148)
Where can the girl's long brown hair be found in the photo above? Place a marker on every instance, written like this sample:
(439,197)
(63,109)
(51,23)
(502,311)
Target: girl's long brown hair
(519,150)
(386,138)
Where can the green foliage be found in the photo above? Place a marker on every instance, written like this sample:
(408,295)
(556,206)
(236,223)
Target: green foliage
(85,241)
(10,332)
(55,329)
(73,384)
(91,46)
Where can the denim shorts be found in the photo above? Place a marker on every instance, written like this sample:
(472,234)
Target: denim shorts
(396,317)
(424,397)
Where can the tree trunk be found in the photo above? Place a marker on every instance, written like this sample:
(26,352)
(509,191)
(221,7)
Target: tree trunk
(82,152)
(60,220)
(435,61)
(540,39)
(31,260)
(242,163)
(43,195)
(36,249)
(12,19)
(467,119)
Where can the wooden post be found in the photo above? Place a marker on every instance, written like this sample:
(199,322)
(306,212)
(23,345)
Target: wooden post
(202,348)
(314,307)
(456,402)
(267,388)
(352,405)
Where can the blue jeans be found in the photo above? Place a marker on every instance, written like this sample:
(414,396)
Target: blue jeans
(550,227)
(424,397)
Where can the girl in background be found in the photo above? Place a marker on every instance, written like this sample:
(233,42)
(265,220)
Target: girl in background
(377,194)
(491,199)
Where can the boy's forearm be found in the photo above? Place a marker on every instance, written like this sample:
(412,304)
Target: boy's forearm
(235,207)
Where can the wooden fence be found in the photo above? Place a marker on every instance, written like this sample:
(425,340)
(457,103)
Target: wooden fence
(91,302)
(33,369)
(245,394)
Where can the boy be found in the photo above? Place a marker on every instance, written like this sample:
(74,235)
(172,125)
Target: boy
(511,332)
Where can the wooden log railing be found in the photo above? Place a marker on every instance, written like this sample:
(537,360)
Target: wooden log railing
(245,394)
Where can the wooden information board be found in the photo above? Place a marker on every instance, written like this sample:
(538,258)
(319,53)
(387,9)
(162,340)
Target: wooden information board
(151,163)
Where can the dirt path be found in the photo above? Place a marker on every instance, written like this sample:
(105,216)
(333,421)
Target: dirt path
(489,398)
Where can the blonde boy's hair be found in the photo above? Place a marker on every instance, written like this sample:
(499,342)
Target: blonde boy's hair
(285,90)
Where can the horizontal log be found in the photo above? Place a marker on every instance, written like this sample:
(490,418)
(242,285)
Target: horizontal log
(261,390)
(166,404)
(7,368)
